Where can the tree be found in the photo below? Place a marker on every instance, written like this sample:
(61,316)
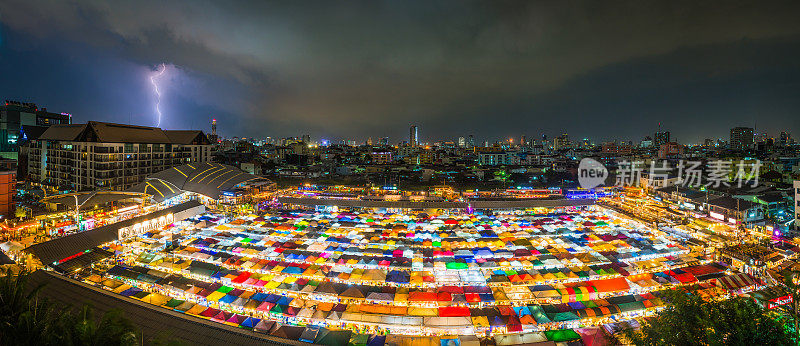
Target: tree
(27,319)
(502,175)
(691,320)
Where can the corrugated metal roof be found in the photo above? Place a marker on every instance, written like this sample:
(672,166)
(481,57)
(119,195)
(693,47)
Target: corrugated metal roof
(208,179)
(89,199)
(731,203)
(160,190)
(151,321)
(58,249)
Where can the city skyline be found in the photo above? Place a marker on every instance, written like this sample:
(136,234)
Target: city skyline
(414,140)
(372,70)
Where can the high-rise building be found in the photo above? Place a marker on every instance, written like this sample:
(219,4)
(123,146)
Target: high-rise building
(15,115)
(670,150)
(97,155)
(413,139)
(562,142)
(785,139)
(523,142)
(616,149)
(7,190)
(660,138)
(647,142)
(741,138)
(213,137)
(797,204)
(384,141)
(471,141)
(462,142)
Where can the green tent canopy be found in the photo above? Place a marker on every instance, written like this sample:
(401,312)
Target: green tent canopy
(562,335)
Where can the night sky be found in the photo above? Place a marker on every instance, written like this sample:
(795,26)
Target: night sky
(335,69)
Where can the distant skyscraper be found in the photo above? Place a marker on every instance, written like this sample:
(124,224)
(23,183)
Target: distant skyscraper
(306,139)
(561,142)
(384,141)
(523,142)
(797,202)
(471,141)
(661,138)
(413,139)
(785,139)
(213,138)
(741,138)
(462,142)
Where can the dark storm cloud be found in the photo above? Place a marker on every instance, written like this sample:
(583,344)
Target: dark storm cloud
(492,68)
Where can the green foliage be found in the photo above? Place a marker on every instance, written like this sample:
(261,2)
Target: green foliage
(27,319)
(690,320)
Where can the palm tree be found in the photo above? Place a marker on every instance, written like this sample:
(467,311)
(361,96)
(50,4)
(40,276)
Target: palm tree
(791,286)
(27,319)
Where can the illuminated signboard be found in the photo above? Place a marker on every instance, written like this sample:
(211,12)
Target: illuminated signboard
(776,302)
(145,226)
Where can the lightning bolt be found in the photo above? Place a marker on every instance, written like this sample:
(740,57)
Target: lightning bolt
(158,93)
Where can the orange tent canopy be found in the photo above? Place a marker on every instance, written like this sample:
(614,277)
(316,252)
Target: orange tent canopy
(610,285)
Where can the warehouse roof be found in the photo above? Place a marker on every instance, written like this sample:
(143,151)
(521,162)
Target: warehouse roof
(151,321)
(731,203)
(89,199)
(209,179)
(158,189)
(61,248)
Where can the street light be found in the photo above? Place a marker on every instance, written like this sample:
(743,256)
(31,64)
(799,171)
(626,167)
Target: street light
(77,215)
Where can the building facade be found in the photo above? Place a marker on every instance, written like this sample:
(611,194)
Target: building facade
(734,210)
(660,138)
(797,205)
(99,156)
(562,142)
(670,150)
(7,190)
(741,138)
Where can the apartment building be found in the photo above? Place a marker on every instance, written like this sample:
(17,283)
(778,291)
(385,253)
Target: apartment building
(797,204)
(101,156)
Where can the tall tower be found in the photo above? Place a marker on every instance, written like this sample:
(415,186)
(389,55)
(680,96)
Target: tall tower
(213,138)
(414,136)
